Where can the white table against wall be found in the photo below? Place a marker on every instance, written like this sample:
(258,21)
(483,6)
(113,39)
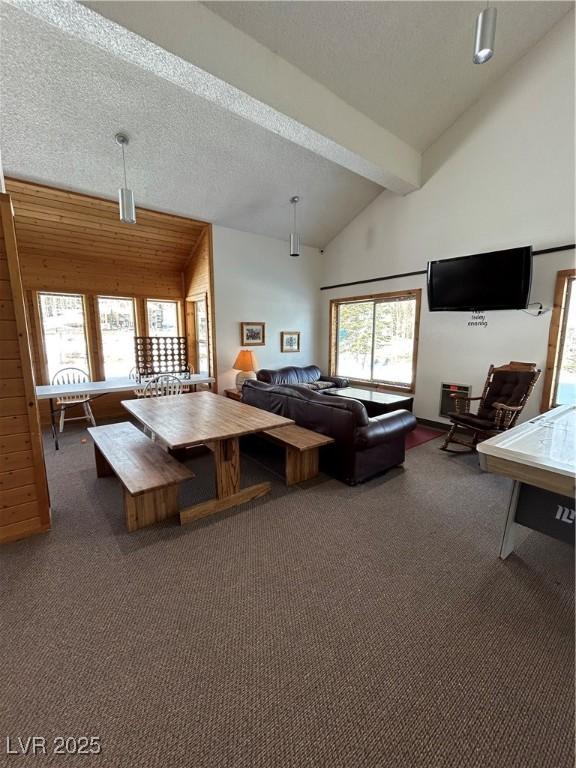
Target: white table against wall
(93,389)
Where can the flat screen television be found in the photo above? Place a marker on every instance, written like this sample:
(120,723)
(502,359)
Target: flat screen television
(484,281)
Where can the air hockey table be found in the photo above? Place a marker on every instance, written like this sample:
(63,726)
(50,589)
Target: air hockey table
(540,456)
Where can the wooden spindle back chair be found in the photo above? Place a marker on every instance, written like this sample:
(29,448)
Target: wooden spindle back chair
(73,376)
(503,398)
(161,386)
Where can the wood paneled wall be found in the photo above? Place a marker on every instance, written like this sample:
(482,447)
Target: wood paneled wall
(91,281)
(25,505)
(73,243)
(198,278)
(107,278)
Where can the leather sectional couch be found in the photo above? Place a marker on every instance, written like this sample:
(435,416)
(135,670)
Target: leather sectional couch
(363,446)
(309,376)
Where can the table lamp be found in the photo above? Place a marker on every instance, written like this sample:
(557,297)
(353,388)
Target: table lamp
(246,363)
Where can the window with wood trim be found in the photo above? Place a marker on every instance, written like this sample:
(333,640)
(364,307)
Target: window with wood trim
(95,333)
(374,339)
(560,375)
(117,331)
(162,317)
(63,318)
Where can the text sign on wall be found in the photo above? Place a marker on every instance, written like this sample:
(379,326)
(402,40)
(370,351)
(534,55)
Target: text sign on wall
(478,319)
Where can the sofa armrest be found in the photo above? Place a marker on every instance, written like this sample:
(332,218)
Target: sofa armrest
(338,381)
(385,428)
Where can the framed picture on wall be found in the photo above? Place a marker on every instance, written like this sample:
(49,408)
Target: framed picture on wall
(252,334)
(290,341)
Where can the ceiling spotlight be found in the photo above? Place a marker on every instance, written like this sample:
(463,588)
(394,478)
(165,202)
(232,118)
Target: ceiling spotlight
(484,36)
(294,236)
(125,195)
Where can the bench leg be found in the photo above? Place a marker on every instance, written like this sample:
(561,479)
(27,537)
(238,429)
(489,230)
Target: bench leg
(300,465)
(150,507)
(103,469)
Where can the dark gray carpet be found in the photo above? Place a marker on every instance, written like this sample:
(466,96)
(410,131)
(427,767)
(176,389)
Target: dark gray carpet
(323,626)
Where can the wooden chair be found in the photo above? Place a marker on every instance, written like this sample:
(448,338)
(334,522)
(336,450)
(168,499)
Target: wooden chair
(505,394)
(135,376)
(163,385)
(73,376)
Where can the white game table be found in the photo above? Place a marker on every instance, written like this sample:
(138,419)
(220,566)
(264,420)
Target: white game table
(93,389)
(540,456)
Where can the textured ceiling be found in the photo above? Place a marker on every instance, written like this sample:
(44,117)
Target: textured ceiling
(62,106)
(407,65)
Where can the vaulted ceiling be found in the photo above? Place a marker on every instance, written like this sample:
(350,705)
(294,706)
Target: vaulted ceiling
(235,107)
(407,65)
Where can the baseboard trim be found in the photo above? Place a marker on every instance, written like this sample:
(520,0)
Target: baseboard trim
(440,425)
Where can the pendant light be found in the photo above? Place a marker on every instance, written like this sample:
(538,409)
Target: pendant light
(125,195)
(485,35)
(294,236)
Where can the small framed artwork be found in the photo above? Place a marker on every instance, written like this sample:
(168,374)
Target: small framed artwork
(290,341)
(252,334)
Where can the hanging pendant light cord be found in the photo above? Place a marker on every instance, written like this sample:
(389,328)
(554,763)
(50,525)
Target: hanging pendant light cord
(124,164)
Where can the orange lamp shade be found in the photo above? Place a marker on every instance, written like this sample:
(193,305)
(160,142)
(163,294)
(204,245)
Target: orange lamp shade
(245,361)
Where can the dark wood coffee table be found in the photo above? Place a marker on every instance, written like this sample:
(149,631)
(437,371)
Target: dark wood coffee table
(375,402)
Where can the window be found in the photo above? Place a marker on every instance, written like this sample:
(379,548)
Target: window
(375,338)
(162,317)
(64,332)
(201,324)
(117,335)
(560,378)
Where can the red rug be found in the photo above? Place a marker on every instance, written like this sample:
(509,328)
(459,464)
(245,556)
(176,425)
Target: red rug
(421,435)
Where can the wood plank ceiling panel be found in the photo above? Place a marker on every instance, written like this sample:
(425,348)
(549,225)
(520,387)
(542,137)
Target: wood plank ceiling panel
(52,223)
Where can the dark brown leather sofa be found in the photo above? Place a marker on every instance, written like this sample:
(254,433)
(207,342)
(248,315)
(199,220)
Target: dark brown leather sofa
(363,447)
(309,376)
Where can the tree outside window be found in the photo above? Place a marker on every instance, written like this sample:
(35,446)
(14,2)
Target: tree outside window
(374,340)
(117,330)
(64,332)
(162,317)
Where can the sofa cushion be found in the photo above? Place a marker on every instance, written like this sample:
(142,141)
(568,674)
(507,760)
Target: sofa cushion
(290,375)
(252,390)
(317,386)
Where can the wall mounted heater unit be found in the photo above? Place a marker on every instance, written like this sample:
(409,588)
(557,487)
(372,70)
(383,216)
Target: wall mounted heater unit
(446,402)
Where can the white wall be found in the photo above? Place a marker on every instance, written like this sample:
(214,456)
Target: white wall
(256,279)
(501,176)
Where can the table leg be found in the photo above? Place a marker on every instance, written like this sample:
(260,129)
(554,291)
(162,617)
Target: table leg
(53,425)
(229,494)
(513,533)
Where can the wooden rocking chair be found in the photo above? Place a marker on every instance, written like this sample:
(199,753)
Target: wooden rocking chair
(505,394)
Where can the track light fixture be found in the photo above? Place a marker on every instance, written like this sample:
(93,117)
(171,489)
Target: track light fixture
(125,195)
(485,35)
(294,236)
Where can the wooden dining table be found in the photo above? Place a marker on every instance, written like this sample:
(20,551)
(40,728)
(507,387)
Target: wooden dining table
(204,418)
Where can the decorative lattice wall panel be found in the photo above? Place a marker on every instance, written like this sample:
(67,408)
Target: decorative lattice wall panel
(161,354)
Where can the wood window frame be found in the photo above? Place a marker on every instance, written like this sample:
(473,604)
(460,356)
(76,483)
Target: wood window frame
(555,337)
(89,337)
(415,293)
(91,327)
(180,321)
(191,329)
(94,310)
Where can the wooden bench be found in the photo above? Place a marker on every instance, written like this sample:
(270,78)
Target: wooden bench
(302,450)
(149,475)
